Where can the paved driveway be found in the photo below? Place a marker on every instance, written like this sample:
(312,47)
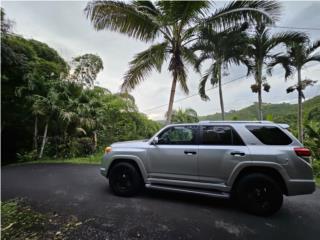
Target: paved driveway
(81,191)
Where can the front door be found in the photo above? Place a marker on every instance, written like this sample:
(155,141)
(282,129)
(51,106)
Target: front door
(175,155)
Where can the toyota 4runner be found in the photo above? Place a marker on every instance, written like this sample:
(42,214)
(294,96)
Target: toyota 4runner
(254,162)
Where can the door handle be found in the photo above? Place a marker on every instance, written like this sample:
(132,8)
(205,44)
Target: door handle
(190,152)
(236,153)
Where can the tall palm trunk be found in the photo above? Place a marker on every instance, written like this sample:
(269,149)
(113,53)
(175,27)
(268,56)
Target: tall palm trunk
(220,92)
(260,103)
(44,139)
(172,93)
(300,130)
(259,82)
(35,136)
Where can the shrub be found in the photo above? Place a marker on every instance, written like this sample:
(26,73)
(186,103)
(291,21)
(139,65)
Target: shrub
(316,168)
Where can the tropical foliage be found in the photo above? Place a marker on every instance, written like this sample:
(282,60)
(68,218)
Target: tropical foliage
(175,24)
(49,111)
(298,54)
(222,48)
(188,115)
(259,54)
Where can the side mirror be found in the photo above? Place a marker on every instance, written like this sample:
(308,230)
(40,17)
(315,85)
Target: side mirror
(155,141)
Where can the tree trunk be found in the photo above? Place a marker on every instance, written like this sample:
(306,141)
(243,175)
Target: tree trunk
(95,140)
(300,130)
(44,139)
(172,93)
(260,104)
(259,79)
(35,137)
(220,93)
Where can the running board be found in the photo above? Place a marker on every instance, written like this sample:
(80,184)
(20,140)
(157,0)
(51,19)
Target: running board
(216,194)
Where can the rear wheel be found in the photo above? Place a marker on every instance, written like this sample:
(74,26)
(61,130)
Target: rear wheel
(124,179)
(259,194)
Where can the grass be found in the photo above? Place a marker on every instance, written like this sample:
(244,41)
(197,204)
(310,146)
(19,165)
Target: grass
(318,181)
(20,221)
(92,159)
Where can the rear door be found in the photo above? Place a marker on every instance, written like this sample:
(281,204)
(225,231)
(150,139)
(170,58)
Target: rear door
(220,150)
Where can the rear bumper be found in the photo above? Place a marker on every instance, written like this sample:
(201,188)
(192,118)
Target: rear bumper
(299,187)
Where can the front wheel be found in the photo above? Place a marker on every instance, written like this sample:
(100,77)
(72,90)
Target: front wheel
(124,179)
(259,194)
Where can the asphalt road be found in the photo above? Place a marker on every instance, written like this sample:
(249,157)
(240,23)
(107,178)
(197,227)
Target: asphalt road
(80,190)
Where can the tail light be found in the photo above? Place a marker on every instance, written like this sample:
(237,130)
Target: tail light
(302,152)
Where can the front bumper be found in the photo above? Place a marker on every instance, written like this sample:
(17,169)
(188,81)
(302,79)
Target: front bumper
(299,187)
(103,171)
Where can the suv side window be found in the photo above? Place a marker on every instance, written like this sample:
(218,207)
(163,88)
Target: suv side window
(220,135)
(179,135)
(270,135)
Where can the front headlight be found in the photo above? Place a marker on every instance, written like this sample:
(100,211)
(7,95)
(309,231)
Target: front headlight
(107,149)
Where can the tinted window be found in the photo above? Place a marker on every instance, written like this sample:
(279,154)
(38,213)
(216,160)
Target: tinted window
(270,135)
(220,135)
(178,135)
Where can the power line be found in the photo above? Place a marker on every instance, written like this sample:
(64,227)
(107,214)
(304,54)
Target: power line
(195,94)
(299,28)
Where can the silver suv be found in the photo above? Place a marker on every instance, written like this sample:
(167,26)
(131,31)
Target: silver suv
(252,162)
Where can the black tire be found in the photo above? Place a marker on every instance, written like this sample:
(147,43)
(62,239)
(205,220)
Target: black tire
(124,179)
(258,194)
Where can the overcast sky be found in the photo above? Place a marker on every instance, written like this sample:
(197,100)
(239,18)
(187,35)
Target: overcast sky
(63,26)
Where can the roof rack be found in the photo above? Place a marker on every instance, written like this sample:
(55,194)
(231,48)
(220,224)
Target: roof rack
(208,121)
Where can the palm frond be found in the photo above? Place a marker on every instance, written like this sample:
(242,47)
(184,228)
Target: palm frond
(285,61)
(245,11)
(183,11)
(190,57)
(66,115)
(203,82)
(313,47)
(313,58)
(182,78)
(142,64)
(146,7)
(81,130)
(285,38)
(122,17)
(203,56)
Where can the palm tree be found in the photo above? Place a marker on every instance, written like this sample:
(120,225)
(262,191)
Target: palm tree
(222,48)
(298,54)
(259,52)
(182,116)
(175,24)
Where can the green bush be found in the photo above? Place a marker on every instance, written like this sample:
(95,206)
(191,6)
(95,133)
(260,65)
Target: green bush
(27,156)
(316,168)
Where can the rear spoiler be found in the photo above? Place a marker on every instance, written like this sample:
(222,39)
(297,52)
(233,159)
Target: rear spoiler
(283,125)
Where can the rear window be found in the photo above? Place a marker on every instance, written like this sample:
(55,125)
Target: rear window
(220,135)
(270,135)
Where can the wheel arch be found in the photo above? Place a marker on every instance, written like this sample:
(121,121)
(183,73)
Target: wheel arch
(272,170)
(135,161)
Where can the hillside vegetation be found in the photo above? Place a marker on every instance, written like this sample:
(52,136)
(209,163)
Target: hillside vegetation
(282,112)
